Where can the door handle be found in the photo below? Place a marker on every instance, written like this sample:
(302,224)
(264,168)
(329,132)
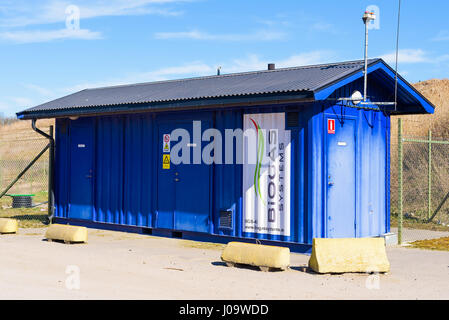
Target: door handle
(176,180)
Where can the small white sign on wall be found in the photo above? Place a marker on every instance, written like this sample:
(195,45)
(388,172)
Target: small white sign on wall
(166,143)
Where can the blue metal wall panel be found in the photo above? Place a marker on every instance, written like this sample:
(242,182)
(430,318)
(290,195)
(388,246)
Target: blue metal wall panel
(61,167)
(109,170)
(315,158)
(372,167)
(228,178)
(138,183)
(387,173)
(81,171)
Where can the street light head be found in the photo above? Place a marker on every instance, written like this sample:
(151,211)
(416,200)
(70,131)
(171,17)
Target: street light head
(368,16)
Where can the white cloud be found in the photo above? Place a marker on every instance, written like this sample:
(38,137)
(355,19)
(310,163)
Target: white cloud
(21,101)
(35,36)
(23,13)
(442,58)
(254,62)
(411,56)
(10,105)
(443,35)
(262,35)
(323,27)
(40,90)
(187,70)
(408,56)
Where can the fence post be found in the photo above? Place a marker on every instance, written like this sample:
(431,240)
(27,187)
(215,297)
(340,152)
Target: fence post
(51,162)
(429,178)
(400,149)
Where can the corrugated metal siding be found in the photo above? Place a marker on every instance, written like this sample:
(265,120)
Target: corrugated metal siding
(126,154)
(228,178)
(123,174)
(373,208)
(109,171)
(139,155)
(61,167)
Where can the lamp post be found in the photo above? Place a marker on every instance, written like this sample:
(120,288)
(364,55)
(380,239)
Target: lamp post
(367,18)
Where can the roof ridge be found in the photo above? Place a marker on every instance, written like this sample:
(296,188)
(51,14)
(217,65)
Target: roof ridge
(234,74)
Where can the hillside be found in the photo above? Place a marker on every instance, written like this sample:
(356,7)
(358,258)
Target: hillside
(19,141)
(437,92)
(19,144)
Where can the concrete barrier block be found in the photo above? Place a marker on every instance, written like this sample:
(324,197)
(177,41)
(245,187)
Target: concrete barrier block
(66,233)
(262,256)
(349,255)
(8,226)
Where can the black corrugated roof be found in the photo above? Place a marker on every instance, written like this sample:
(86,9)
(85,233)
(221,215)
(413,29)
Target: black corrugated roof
(285,80)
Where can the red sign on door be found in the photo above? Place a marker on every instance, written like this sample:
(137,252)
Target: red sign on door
(331,126)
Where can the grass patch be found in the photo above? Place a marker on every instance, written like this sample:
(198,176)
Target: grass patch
(27,217)
(202,245)
(432,244)
(414,223)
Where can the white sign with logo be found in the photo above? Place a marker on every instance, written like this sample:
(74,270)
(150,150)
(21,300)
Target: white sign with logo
(266,183)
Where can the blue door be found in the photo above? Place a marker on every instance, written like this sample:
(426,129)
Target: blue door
(183,189)
(341,178)
(81,169)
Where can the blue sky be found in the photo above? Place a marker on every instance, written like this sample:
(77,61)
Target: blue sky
(44,55)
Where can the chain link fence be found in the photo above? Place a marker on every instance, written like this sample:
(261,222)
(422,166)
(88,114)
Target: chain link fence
(419,200)
(18,147)
(419,183)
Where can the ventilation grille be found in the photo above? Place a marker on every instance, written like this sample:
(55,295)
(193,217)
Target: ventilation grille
(292,119)
(225,219)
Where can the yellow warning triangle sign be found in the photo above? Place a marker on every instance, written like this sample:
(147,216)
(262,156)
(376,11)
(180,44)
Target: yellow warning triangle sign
(166,161)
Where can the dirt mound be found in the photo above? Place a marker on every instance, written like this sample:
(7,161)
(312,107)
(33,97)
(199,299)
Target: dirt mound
(437,92)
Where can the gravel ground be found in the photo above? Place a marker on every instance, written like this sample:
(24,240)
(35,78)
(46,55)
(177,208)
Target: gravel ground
(115,265)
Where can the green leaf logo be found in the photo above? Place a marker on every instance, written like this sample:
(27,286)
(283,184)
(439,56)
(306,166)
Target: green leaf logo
(260,153)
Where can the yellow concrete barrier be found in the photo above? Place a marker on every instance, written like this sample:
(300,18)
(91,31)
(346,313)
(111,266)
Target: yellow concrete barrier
(8,225)
(349,255)
(262,256)
(66,233)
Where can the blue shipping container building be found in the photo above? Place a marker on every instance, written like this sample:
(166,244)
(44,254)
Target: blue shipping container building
(329,176)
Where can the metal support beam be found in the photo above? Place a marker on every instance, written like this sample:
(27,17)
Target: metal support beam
(24,171)
(51,160)
(365,72)
(400,204)
(439,207)
(429,178)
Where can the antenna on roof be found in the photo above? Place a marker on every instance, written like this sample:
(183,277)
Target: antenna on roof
(368,16)
(397,55)
(357,99)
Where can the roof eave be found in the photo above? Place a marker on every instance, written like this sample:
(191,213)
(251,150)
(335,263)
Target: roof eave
(426,106)
(193,104)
